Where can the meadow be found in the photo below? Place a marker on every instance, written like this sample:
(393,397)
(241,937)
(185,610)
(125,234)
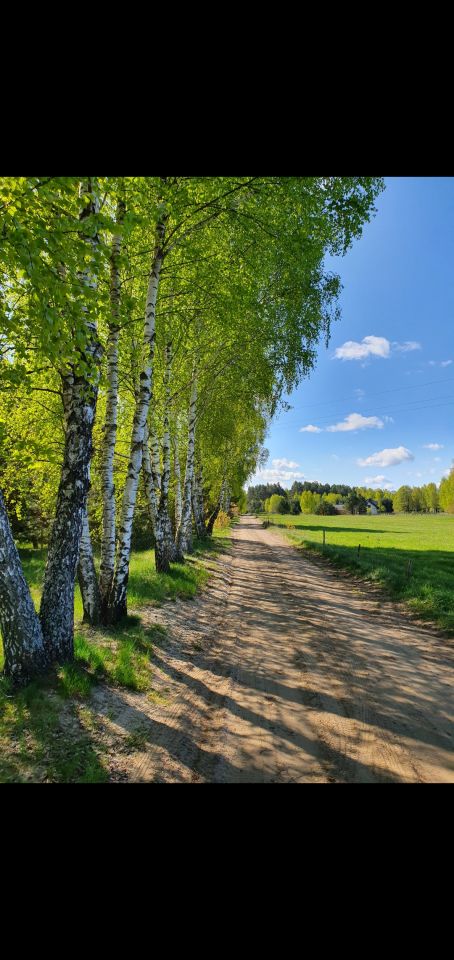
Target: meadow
(411,555)
(48,731)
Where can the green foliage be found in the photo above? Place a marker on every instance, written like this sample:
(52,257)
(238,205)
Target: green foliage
(277,504)
(325,509)
(245,299)
(355,503)
(403,501)
(446,495)
(309,501)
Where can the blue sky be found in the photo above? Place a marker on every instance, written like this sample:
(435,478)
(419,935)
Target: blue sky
(380,401)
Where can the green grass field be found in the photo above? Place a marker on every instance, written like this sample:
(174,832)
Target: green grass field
(411,555)
(48,731)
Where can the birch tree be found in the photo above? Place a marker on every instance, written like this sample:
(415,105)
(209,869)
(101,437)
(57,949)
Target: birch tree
(117,606)
(107,565)
(23,644)
(57,602)
(232,273)
(183,539)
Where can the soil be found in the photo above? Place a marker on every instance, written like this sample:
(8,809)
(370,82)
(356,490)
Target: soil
(284,672)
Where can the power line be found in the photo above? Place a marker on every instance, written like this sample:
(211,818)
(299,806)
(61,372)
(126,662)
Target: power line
(414,386)
(446,401)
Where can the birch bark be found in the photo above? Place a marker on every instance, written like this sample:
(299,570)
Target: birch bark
(118,604)
(23,644)
(57,602)
(151,482)
(165,547)
(183,540)
(88,580)
(107,565)
(177,472)
(197,504)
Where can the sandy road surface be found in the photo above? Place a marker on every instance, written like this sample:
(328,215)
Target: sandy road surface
(283,672)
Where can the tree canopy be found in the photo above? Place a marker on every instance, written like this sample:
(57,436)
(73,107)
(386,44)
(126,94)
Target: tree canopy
(149,328)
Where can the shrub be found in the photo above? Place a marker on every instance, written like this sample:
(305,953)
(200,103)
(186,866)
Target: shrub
(277,504)
(309,501)
(325,509)
(355,503)
(222,520)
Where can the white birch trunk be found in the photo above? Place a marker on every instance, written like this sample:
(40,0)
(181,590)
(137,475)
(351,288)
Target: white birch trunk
(227,499)
(197,504)
(23,643)
(150,482)
(118,606)
(88,580)
(155,458)
(177,472)
(183,540)
(107,565)
(57,602)
(165,547)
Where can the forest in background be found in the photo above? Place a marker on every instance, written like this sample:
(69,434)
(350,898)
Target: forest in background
(315,497)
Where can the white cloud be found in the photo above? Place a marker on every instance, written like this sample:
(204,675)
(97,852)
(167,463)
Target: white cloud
(369,346)
(446,363)
(433,446)
(360,393)
(440,363)
(355,421)
(284,464)
(378,480)
(310,429)
(373,347)
(407,347)
(387,458)
(284,477)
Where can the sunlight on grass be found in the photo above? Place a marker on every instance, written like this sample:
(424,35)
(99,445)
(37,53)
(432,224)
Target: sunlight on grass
(42,739)
(411,555)
(48,732)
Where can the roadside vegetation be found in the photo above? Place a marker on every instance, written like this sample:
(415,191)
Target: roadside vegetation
(48,730)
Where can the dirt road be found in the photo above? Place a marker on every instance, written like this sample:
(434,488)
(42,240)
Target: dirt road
(283,672)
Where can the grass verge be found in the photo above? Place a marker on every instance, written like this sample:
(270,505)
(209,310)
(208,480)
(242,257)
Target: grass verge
(48,732)
(410,556)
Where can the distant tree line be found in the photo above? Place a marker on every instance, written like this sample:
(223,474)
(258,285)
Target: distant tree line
(324,498)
